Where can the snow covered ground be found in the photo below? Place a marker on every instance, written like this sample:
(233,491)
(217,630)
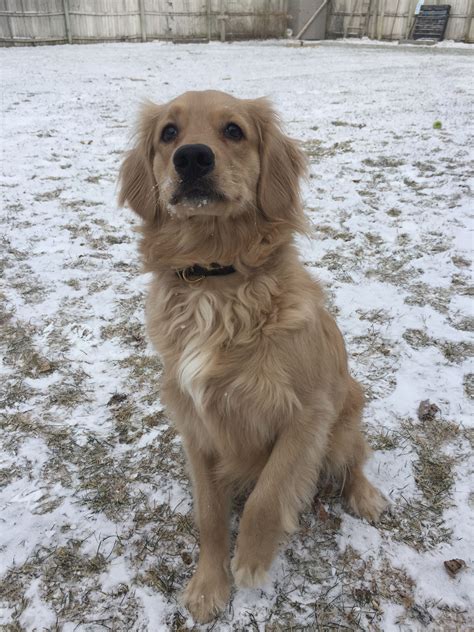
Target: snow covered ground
(96,527)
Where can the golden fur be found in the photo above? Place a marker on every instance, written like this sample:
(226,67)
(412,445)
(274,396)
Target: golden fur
(256,374)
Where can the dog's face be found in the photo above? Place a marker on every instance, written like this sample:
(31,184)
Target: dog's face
(208,153)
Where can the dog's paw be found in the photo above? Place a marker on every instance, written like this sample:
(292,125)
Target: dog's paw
(248,573)
(367,502)
(206,595)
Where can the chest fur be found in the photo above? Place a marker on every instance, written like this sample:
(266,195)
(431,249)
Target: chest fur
(222,351)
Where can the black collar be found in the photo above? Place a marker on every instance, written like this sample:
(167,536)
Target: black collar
(196,273)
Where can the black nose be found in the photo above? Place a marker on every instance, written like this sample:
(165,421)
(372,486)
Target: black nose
(193,161)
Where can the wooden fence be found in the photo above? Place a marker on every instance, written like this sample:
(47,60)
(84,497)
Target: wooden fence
(394,19)
(82,21)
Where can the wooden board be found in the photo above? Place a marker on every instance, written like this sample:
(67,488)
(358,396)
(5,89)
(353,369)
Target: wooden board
(431,21)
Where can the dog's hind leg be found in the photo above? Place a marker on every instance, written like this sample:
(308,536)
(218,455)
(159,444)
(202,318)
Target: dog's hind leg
(347,453)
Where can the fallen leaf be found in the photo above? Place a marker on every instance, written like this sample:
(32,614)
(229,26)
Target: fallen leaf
(117,398)
(427,411)
(320,511)
(454,566)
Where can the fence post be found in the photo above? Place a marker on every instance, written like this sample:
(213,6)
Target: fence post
(373,26)
(411,11)
(381,20)
(10,30)
(365,27)
(67,21)
(209,25)
(222,18)
(469,16)
(141,5)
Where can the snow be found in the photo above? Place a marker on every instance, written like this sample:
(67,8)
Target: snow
(390,200)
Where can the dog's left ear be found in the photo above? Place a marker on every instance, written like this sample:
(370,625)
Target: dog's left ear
(137,183)
(282,164)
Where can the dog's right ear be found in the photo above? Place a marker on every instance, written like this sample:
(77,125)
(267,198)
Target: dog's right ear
(138,186)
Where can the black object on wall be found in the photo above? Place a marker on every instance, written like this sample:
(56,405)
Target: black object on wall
(431,21)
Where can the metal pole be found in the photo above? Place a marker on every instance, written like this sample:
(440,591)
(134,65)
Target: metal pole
(311,20)
(67,21)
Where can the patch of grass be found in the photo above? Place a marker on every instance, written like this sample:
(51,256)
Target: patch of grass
(93,179)
(160,578)
(425,166)
(417,339)
(70,391)
(457,352)
(315,150)
(416,524)
(384,440)
(372,582)
(332,233)
(67,563)
(379,356)
(383,162)
(413,184)
(128,421)
(468,383)
(9,474)
(13,586)
(103,482)
(48,195)
(460,261)
(74,283)
(422,294)
(396,269)
(379,316)
(129,333)
(18,341)
(144,371)
(15,391)
(70,584)
(419,522)
(464,324)
(346,124)
(79,204)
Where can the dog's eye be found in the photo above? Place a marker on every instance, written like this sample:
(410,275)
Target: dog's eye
(169,133)
(233,132)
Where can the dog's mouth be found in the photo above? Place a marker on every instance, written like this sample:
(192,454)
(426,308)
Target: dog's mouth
(196,195)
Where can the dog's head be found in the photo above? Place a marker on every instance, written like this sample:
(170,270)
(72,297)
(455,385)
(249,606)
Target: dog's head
(210,154)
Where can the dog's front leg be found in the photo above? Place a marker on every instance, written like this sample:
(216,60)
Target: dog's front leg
(208,591)
(286,484)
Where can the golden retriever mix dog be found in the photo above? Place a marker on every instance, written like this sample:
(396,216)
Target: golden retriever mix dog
(255,369)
